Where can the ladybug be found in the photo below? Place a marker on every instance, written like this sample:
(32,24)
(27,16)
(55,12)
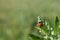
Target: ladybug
(40,24)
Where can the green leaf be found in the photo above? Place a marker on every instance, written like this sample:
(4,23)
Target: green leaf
(34,37)
(56,25)
(56,21)
(46,27)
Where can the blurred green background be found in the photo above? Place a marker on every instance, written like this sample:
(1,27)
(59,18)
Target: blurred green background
(17,16)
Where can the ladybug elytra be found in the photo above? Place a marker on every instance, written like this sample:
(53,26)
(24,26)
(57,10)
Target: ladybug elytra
(40,24)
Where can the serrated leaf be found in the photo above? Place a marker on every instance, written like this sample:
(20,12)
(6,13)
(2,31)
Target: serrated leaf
(46,27)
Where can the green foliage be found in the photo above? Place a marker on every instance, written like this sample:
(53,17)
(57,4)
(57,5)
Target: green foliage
(47,32)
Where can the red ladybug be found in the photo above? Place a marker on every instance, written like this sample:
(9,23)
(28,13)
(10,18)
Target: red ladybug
(40,24)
